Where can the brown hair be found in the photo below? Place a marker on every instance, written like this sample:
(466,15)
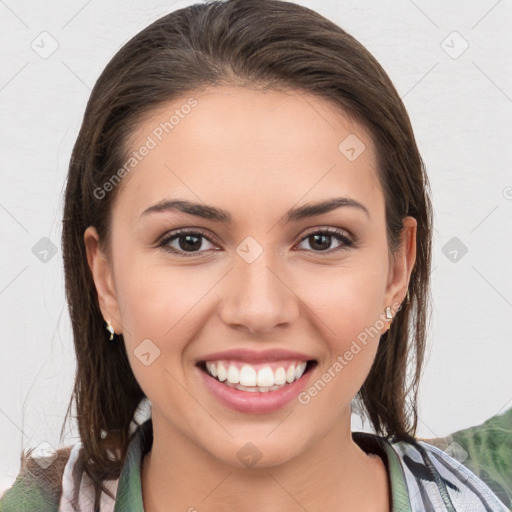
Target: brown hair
(250,43)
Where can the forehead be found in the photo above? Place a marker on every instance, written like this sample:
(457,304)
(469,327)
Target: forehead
(250,149)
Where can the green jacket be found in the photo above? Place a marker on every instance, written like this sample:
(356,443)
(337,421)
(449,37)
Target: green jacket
(486,451)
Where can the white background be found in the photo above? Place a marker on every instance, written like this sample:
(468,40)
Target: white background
(461,112)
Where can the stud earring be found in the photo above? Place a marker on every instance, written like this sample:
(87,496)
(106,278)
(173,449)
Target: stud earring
(389,314)
(110,329)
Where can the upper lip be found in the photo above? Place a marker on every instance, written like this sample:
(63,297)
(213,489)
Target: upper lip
(252,356)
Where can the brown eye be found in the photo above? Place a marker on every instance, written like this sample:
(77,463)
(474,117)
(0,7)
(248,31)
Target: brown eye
(320,241)
(191,242)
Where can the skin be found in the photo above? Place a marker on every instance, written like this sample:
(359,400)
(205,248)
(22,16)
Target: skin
(254,154)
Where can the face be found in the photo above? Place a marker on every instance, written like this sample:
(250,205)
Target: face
(253,278)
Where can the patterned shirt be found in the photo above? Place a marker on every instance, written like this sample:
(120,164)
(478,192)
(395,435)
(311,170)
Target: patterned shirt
(422,478)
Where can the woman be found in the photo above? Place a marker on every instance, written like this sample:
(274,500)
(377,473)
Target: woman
(247,242)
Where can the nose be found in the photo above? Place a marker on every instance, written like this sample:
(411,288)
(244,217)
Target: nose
(257,296)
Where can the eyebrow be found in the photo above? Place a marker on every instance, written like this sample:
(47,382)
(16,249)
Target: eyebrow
(219,215)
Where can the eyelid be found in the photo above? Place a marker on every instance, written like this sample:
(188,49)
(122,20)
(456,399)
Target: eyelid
(331,230)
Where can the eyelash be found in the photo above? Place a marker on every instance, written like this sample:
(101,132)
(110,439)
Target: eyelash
(347,243)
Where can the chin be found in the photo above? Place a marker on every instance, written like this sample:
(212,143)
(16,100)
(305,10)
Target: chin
(257,452)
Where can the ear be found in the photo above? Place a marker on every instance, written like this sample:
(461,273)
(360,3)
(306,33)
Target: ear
(103,279)
(401,265)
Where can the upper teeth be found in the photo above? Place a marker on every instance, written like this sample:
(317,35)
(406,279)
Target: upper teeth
(248,375)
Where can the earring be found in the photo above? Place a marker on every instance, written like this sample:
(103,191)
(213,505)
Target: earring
(389,314)
(110,329)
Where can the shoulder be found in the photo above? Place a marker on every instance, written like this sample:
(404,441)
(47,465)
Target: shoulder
(437,481)
(486,450)
(38,485)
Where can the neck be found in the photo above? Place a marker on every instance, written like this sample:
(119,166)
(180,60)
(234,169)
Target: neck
(332,473)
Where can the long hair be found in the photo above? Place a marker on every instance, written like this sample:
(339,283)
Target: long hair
(262,44)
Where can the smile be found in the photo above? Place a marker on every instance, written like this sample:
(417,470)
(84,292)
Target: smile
(256,377)
(256,388)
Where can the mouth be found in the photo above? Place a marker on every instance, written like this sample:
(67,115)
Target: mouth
(257,388)
(255,381)
(257,378)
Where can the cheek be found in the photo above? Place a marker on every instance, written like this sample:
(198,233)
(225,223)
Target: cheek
(159,311)
(348,298)
(349,330)
(162,302)
(345,306)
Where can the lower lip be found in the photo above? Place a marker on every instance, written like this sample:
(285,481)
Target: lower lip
(254,402)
